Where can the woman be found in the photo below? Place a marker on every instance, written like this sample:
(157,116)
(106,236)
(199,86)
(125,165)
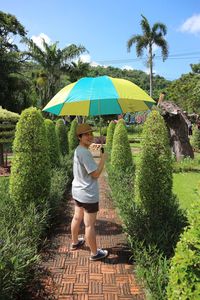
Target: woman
(85,192)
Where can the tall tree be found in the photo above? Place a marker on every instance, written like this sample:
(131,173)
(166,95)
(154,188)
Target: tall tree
(53,62)
(14,87)
(151,36)
(78,70)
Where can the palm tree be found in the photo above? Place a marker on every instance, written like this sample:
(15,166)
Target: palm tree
(53,62)
(77,70)
(151,36)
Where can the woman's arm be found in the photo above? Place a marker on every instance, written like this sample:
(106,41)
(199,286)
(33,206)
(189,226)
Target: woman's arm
(97,172)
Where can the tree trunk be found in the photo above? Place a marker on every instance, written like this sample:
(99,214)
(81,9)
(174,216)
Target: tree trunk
(1,156)
(150,70)
(179,139)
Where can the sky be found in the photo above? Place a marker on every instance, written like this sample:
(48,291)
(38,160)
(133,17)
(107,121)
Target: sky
(103,27)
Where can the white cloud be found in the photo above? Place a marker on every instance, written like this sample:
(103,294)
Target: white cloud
(38,40)
(85,58)
(126,67)
(94,64)
(191,25)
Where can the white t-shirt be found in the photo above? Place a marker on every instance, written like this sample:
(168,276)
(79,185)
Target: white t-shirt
(85,188)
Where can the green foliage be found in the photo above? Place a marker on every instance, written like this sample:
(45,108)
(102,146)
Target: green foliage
(8,122)
(72,137)
(8,117)
(122,192)
(15,88)
(53,63)
(121,156)
(53,146)
(195,139)
(185,92)
(30,173)
(61,131)
(155,172)
(121,173)
(152,269)
(186,164)
(20,233)
(195,68)
(160,218)
(110,134)
(150,36)
(184,275)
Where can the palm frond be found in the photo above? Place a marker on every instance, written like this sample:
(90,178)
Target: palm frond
(162,43)
(133,40)
(146,29)
(73,51)
(159,26)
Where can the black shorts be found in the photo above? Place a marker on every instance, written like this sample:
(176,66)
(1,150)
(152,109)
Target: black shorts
(89,207)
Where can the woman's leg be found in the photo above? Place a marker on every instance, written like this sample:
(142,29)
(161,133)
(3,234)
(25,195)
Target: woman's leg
(75,224)
(90,235)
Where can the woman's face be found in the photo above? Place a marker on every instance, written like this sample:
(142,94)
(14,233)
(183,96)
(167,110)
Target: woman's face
(86,139)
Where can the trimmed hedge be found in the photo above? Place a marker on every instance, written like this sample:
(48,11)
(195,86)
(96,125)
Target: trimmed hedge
(72,138)
(110,134)
(30,172)
(53,146)
(121,156)
(160,219)
(62,134)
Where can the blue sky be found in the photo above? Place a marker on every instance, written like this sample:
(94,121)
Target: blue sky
(104,27)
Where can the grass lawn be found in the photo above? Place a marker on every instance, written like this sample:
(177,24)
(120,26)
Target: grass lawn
(185,187)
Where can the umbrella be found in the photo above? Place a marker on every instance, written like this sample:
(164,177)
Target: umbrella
(103,95)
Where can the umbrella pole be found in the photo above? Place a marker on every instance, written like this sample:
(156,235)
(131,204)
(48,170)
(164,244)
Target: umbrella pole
(100,125)
(99,107)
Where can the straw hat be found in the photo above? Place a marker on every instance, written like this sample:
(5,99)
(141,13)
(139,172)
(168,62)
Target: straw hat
(83,128)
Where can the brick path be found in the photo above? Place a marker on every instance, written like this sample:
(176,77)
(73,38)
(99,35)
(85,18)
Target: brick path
(72,276)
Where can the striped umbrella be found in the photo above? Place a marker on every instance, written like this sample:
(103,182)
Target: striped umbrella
(103,95)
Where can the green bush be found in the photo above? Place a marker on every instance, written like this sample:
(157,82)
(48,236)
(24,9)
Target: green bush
(110,134)
(53,146)
(122,192)
(152,270)
(73,140)
(184,275)
(121,156)
(135,129)
(104,131)
(160,220)
(186,164)
(121,173)
(57,191)
(30,172)
(62,134)
(195,139)
(20,233)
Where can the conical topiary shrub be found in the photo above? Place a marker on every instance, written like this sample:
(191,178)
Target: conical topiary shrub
(121,173)
(62,134)
(53,147)
(109,136)
(163,219)
(30,172)
(72,138)
(121,156)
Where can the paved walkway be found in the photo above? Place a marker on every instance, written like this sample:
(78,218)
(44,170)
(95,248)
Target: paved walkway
(72,276)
